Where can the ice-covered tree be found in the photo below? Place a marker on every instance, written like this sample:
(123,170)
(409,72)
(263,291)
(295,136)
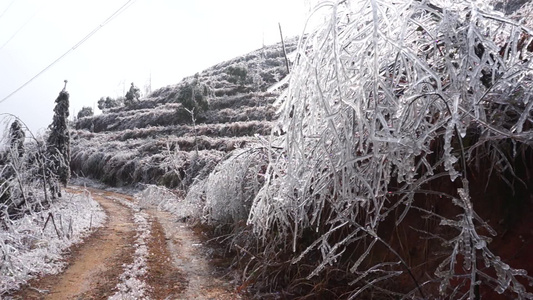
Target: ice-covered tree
(16,138)
(132,95)
(108,102)
(193,95)
(24,173)
(58,143)
(385,99)
(85,111)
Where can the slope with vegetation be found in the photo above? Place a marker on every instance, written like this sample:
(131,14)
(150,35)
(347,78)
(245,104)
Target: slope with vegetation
(179,133)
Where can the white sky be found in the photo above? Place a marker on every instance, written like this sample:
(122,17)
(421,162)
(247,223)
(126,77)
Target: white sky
(169,39)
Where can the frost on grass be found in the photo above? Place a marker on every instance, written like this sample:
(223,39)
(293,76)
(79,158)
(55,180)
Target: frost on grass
(232,186)
(379,104)
(165,199)
(132,284)
(29,249)
(224,197)
(185,208)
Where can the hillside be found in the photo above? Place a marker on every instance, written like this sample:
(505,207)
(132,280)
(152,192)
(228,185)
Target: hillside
(155,141)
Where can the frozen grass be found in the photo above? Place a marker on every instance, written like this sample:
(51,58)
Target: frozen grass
(29,249)
(233,184)
(222,198)
(147,161)
(386,100)
(125,146)
(173,201)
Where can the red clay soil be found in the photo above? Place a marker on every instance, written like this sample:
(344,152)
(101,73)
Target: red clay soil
(508,212)
(189,255)
(177,265)
(165,280)
(93,267)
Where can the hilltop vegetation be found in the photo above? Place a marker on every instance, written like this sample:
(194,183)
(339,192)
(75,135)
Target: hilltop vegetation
(154,140)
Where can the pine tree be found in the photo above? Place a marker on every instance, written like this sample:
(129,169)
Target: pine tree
(85,111)
(16,138)
(132,95)
(108,102)
(58,143)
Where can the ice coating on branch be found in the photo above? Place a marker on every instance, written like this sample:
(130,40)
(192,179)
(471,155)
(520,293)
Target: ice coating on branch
(384,93)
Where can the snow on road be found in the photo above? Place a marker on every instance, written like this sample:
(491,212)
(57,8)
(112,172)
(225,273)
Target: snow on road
(33,245)
(139,253)
(132,284)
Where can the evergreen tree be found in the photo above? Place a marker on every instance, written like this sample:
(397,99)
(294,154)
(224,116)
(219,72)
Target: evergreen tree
(58,143)
(12,193)
(132,95)
(85,112)
(108,102)
(193,95)
(16,138)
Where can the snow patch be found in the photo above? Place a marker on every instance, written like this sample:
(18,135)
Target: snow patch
(29,249)
(132,284)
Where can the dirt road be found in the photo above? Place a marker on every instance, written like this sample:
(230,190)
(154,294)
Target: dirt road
(137,254)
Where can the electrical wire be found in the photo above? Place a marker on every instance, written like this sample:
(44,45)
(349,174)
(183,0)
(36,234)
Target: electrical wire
(5,10)
(83,40)
(20,28)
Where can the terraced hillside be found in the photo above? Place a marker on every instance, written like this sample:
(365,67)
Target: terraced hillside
(163,139)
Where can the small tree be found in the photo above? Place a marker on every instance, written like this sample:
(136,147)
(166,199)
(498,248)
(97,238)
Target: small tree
(237,75)
(16,138)
(132,95)
(24,166)
(58,143)
(108,102)
(193,96)
(10,173)
(85,112)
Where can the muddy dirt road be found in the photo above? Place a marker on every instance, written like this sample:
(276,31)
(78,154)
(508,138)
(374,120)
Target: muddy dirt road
(139,253)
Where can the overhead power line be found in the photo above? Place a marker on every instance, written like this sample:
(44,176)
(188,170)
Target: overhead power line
(18,30)
(83,40)
(7,8)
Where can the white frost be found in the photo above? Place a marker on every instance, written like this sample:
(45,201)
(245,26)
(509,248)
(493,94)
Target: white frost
(28,249)
(132,285)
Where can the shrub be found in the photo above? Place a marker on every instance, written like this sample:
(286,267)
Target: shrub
(85,111)
(237,75)
(233,184)
(108,102)
(25,174)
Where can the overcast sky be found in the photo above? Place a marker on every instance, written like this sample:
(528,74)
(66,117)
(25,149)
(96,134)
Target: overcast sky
(164,40)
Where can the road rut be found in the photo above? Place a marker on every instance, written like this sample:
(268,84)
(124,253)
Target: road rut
(176,262)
